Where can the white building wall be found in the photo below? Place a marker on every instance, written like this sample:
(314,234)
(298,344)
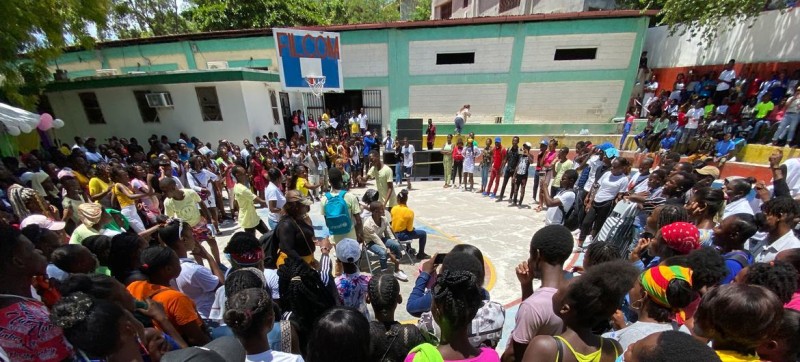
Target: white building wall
(365,60)
(568,101)
(613,51)
(123,119)
(441,102)
(773,37)
(259,108)
(492,55)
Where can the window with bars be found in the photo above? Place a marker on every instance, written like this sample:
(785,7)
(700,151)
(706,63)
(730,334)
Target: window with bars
(273,101)
(92,108)
(209,103)
(506,5)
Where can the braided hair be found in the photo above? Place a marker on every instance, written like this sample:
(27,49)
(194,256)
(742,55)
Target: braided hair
(303,295)
(458,298)
(670,214)
(383,291)
(91,325)
(247,311)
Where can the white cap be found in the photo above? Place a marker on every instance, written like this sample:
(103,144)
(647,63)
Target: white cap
(368,133)
(43,222)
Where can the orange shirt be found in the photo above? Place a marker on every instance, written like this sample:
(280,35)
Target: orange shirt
(179,307)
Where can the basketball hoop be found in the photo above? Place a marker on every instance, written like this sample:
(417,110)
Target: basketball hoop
(316,83)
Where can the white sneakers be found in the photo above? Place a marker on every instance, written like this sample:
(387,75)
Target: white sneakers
(400,275)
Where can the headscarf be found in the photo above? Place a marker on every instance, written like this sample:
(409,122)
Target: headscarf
(90,213)
(248,258)
(655,281)
(680,236)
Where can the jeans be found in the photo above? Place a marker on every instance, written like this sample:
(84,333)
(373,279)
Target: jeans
(787,127)
(414,234)
(272,224)
(507,175)
(484,177)
(391,245)
(595,218)
(398,172)
(458,166)
(625,131)
(754,132)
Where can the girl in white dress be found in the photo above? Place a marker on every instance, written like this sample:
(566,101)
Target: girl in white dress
(470,153)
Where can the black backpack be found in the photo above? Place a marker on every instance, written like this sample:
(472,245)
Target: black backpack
(571,219)
(269,242)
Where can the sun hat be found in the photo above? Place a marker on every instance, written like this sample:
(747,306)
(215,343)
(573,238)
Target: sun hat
(90,213)
(709,171)
(43,222)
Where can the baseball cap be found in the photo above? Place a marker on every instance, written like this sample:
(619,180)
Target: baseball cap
(181,141)
(295,196)
(708,171)
(26,177)
(498,139)
(611,152)
(527,145)
(368,133)
(605,146)
(43,222)
(544,143)
(348,251)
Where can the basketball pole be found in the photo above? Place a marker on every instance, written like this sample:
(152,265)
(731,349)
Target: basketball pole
(305,111)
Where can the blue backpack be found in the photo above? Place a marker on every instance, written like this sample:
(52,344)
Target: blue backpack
(337,214)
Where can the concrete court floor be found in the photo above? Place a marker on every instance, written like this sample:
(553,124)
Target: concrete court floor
(452,216)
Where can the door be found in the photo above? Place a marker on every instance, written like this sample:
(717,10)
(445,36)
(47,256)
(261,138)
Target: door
(371,100)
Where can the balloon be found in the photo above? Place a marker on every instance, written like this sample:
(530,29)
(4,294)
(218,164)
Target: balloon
(45,122)
(12,130)
(58,123)
(24,127)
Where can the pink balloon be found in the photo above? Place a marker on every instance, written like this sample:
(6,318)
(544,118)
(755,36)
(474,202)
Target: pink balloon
(45,122)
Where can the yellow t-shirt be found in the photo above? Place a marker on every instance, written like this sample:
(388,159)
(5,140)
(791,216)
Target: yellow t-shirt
(121,198)
(301,186)
(97,186)
(247,210)
(402,219)
(732,356)
(354,128)
(382,179)
(186,209)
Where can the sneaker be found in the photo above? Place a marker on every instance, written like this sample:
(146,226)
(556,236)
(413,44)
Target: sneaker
(422,256)
(491,195)
(500,198)
(400,276)
(485,193)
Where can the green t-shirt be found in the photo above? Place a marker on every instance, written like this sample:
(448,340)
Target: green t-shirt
(763,109)
(81,232)
(186,209)
(382,179)
(560,168)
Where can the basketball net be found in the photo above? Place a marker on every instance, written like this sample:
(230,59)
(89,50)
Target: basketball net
(316,83)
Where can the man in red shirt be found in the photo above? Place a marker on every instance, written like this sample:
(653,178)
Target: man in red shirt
(431,134)
(498,157)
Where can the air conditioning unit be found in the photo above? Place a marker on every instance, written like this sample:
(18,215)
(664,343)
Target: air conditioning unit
(105,72)
(217,65)
(159,100)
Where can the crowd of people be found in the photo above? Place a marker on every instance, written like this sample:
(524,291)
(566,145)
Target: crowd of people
(110,253)
(711,114)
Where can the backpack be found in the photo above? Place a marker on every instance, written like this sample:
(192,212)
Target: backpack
(269,243)
(571,220)
(337,214)
(741,257)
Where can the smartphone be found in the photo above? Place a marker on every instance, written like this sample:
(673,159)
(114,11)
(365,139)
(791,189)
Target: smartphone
(439,258)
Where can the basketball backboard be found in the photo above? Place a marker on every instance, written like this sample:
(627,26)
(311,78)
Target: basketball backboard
(304,53)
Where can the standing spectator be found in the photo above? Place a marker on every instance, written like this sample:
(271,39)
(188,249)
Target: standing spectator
(650,87)
(486,164)
(726,79)
(791,117)
(549,249)
(562,204)
(369,145)
(470,152)
(383,180)
(430,134)
(343,199)
(183,204)
(520,180)
(126,198)
(498,157)
(408,160)
(510,161)
(447,160)
(762,110)
(362,121)
(600,202)
(629,118)
(458,163)
(248,218)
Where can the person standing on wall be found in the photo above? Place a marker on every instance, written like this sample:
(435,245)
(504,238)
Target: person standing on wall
(431,134)
(461,118)
(650,88)
(727,78)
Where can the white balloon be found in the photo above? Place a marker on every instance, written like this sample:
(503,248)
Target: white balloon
(25,128)
(12,130)
(58,123)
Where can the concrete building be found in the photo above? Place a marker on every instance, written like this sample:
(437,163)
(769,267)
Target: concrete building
(535,74)
(456,9)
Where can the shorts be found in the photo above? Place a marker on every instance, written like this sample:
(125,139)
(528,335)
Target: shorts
(408,171)
(203,231)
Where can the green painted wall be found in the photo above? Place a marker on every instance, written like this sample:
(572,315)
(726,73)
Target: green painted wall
(399,80)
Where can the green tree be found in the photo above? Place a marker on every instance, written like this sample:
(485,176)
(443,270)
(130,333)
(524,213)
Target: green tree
(422,11)
(361,11)
(212,15)
(40,30)
(142,18)
(701,18)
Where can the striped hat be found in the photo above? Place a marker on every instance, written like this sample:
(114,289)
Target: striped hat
(655,281)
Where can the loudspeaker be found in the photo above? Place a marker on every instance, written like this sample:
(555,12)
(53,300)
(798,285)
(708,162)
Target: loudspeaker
(410,128)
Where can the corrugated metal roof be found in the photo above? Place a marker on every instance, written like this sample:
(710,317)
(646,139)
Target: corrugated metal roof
(585,15)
